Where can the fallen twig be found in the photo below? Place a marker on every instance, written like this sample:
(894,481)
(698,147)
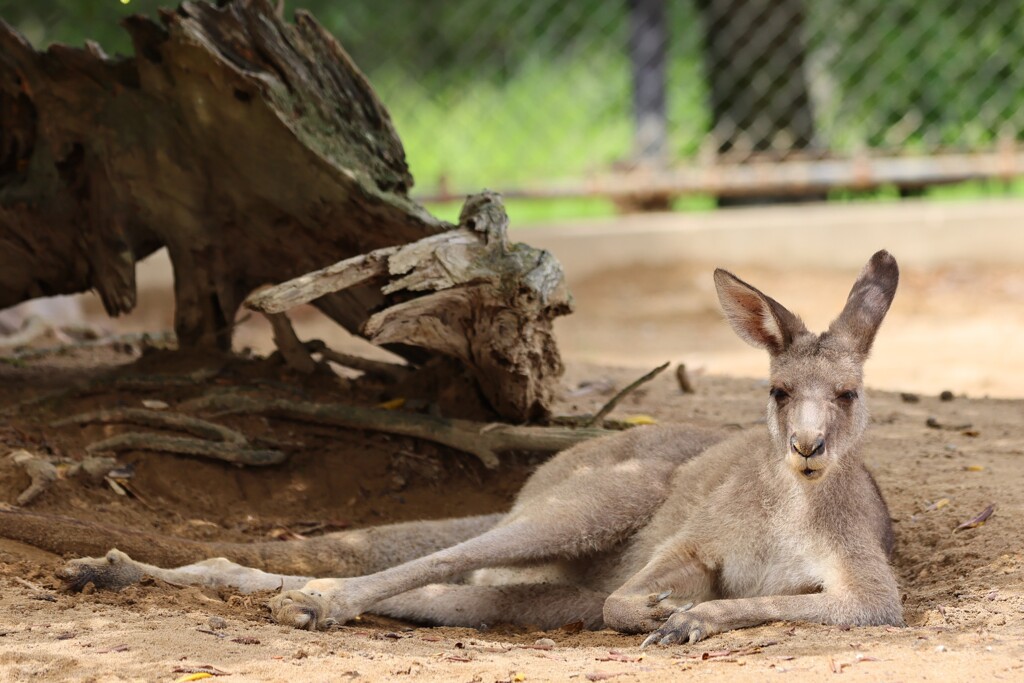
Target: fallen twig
(684,379)
(610,405)
(158,419)
(287,342)
(977,520)
(28,584)
(934,423)
(238,454)
(485,441)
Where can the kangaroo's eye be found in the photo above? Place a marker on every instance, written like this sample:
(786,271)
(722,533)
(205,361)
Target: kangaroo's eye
(778,394)
(847,396)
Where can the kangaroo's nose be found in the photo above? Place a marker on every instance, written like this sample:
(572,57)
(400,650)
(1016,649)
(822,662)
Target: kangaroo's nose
(807,445)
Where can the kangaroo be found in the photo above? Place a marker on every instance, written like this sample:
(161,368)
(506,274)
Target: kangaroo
(667,530)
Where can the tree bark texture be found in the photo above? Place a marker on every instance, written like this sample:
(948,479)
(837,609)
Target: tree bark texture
(252,149)
(256,152)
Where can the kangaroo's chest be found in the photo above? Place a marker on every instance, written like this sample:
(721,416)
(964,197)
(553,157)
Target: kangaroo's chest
(772,563)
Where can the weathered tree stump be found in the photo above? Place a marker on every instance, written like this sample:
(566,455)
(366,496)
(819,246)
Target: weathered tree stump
(255,151)
(468,294)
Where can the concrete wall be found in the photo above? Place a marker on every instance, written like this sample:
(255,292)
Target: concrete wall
(922,234)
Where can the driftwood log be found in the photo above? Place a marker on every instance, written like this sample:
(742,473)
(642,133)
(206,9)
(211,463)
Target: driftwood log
(255,151)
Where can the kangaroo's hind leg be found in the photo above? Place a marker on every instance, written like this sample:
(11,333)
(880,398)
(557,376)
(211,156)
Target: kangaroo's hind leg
(116,570)
(600,496)
(273,565)
(537,605)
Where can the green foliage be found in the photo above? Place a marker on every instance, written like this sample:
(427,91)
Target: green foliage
(74,21)
(919,75)
(530,92)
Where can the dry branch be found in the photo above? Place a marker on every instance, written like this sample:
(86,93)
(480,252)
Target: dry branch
(295,354)
(217,441)
(159,419)
(485,441)
(630,388)
(683,378)
(238,454)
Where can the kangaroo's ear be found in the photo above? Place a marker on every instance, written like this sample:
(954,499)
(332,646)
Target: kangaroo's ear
(757,318)
(868,302)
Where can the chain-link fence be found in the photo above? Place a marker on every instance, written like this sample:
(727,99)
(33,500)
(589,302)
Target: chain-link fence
(541,94)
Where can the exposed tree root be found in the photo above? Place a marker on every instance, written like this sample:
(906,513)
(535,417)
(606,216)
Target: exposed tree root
(159,419)
(237,454)
(217,441)
(485,441)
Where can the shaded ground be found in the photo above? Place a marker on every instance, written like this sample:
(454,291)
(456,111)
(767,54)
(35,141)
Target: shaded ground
(964,592)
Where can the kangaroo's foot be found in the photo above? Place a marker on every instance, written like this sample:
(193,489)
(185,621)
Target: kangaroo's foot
(320,604)
(114,571)
(301,610)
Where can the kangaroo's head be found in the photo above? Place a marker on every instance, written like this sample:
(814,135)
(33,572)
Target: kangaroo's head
(816,410)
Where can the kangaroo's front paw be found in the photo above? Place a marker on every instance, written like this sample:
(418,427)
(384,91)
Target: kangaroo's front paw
(681,627)
(115,570)
(637,613)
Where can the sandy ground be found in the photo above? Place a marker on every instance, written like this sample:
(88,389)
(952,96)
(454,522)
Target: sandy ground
(964,594)
(953,328)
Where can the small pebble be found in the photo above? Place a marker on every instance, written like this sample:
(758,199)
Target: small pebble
(544,644)
(217,623)
(910,398)
(940,648)
(946,395)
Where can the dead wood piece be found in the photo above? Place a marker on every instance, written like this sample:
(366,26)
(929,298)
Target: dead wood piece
(977,520)
(237,454)
(160,420)
(485,441)
(219,102)
(40,470)
(683,377)
(333,278)
(287,342)
(468,294)
(389,372)
(631,387)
